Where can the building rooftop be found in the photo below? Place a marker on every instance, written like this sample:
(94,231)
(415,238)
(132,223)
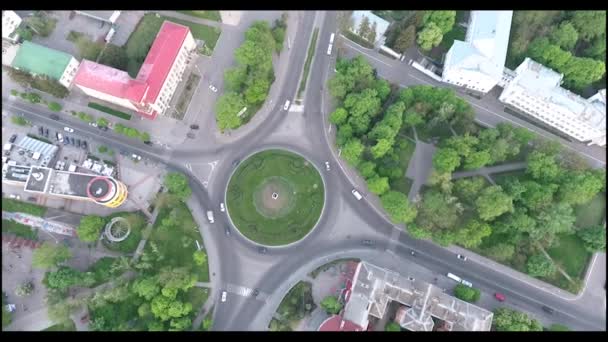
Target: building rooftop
(15,173)
(9,52)
(70,183)
(336,323)
(29,151)
(381,24)
(38,179)
(485,45)
(110,81)
(376,286)
(40,60)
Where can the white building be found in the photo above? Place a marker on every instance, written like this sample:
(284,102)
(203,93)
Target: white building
(151,91)
(478,62)
(10,22)
(380,25)
(536,91)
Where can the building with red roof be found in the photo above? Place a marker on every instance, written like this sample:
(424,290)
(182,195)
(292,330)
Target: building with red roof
(337,323)
(151,91)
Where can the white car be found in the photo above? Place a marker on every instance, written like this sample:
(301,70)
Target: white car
(462,257)
(136,157)
(210,216)
(286,106)
(93,124)
(224,294)
(327,166)
(213,89)
(357,195)
(68,129)
(13,196)
(222,208)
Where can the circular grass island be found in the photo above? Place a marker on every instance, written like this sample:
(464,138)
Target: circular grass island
(275,197)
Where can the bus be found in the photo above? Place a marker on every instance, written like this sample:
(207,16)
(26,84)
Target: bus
(329,49)
(331,38)
(454,277)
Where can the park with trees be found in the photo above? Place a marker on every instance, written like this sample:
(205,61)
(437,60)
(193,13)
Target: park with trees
(248,83)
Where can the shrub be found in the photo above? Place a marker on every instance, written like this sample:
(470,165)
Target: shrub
(19,120)
(54,106)
(468,294)
(110,111)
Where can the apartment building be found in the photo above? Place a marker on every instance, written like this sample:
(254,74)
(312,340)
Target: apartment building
(41,61)
(10,23)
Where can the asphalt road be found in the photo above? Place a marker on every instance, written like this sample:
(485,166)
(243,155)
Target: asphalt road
(344,222)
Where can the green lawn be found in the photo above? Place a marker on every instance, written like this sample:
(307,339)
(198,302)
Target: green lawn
(571,255)
(177,244)
(110,111)
(210,15)
(143,36)
(15,206)
(197,296)
(311,52)
(68,326)
(26,232)
(208,317)
(129,245)
(285,219)
(297,303)
(592,213)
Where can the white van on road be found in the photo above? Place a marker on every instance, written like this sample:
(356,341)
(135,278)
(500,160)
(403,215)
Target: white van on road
(357,194)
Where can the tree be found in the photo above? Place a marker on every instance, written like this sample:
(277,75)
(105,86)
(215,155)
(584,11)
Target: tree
(392,326)
(50,255)
(364,28)
(468,294)
(331,305)
(589,24)
(463,144)
(338,117)
(597,48)
(438,211)
(444,20)
(579,72)
(25,289)
(412,119)
(382,147)
(115,56)
(352,151)
(468,189)
(429,37)
(538,265)
(179,277)
(477,160)
(279,37)
(542,166)
(594,238)
(180,324)
(378,185)
(226,110)
(557,218)
(558,327)
(398,207)
(19,120)
(446,160)
(371,36)
(146,288)
(471,234)
(565,36)
(511,320)
(493,202)
(234,78)
(101,122)
(25,33)
(367,169)
(54,106)
(200,257)
(144,136)
(441,180)
(90,227)
(537,196)
(549,54)
(258,90)
(177,184)
(517,225)
(501,251)
(580,187)
(406,39)
(383,88)
(63,278)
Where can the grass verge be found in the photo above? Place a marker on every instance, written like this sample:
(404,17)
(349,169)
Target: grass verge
(186,96)
(15,206)
(209,15)
(571,255)
(207,322)
(110,111)
(311,53)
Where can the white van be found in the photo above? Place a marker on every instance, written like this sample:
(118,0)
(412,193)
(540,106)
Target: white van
(329,49)
(331,38)
(454,277)
(210,216)
(357,194)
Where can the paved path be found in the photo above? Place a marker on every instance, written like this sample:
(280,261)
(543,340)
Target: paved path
(202,284)
(419,167)
(485,171)
(146,232)
(35,321)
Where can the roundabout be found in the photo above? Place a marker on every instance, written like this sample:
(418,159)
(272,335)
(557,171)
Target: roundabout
(275,197)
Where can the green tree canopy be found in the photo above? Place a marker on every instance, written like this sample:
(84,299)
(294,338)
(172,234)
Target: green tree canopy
(90,227)
(429,37)
(331,305)
(398,207)
(227,108)
(446,160)
(493,202)
(565,35)
(352,151)
(468,294)
(50,255)
(539,265)
(406,39)
(177,184)
(511,320)
(594,238)
(581,187)
(589,24)
(392,326)
(542,166)
(443,19)
(468,189)
(338,117)
(378,185)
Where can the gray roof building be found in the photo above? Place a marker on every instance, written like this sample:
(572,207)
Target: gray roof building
(381,25)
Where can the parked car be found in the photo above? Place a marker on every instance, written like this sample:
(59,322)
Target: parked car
(548,309)
(66,140)
(13,196)
(210,216)
(54,116)
(136,157)
(68,129)
(462,257)
(286,106)
(93,124)
(501,297)
(103,128)
(194,126)
(327,166)
(213,89)
(256,292)
(224,295)
(12,138)
(367,242)
(84,145)
(357,195)
(222,207)
(46,132)
(78,142)
(40,130)
(262,250)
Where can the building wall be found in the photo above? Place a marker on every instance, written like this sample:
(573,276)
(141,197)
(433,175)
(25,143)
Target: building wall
(119,197)
(10,22)
(175,75)
(469,79)
(559,117)
(108,98)
(69,73)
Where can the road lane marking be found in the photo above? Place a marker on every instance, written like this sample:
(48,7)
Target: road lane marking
(419,79)
(365,53)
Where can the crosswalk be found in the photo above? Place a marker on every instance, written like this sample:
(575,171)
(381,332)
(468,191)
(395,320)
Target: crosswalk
(245,291)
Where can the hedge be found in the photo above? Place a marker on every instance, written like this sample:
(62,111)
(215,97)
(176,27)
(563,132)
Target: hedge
(110,111)
(15,206)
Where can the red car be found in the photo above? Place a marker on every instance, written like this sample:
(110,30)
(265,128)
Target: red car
(501,297)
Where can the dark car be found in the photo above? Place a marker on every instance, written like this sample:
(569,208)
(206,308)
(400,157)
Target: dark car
(148,142)
(103,128)
(73,141)
(84,144)
(66,141)
(78,142)
(548,310)
(54,116)
(255,292)
(227,230)
(262,250)
(46,132)
(193,126)
(367,243)
(12,138)
(40,130)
